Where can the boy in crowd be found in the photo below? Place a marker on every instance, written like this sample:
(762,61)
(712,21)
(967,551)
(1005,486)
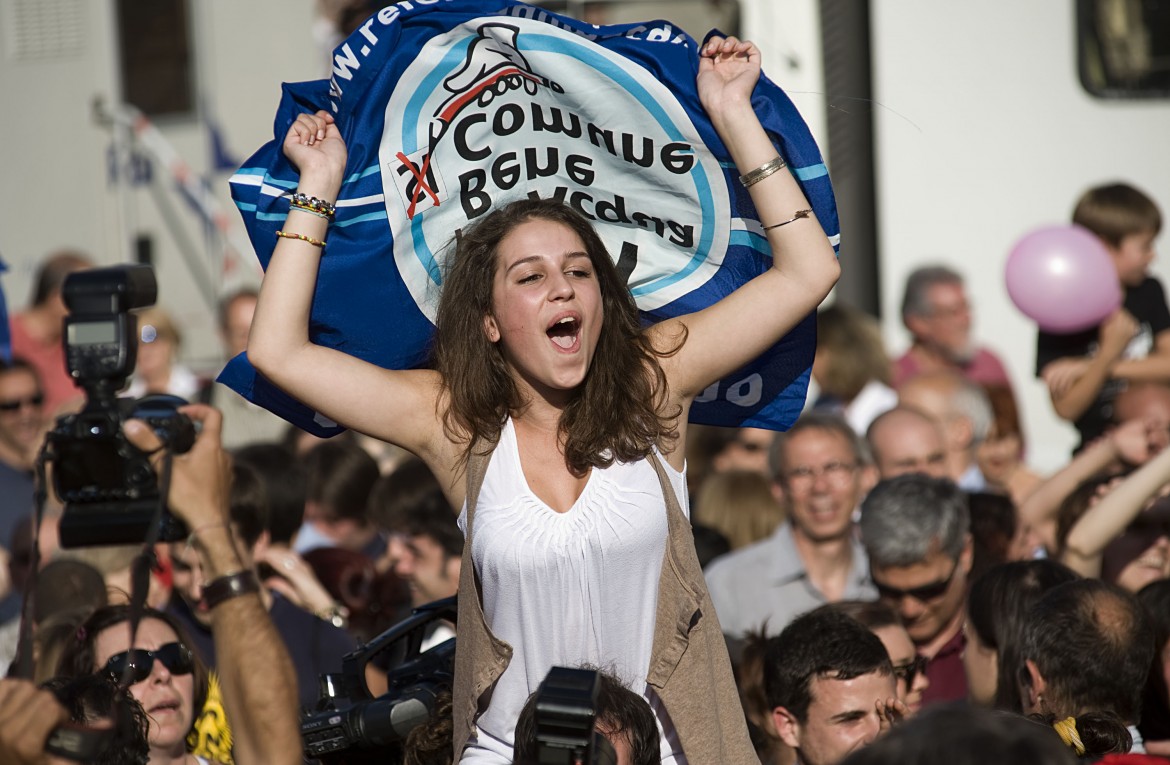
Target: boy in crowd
(1086,370)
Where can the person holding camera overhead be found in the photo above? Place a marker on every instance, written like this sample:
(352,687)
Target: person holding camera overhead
(559,424)
(257,678)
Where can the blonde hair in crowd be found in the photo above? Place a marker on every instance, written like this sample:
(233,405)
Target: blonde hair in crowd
(739,504)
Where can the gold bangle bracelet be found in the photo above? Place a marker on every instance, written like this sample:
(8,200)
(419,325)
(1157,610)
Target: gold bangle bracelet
(302,237)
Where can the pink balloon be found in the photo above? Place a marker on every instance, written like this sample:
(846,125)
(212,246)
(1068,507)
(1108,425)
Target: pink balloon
(1062,278)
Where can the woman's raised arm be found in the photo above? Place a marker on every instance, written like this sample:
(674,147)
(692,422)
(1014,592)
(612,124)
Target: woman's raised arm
(1104,521)
(395,406)
(743,325)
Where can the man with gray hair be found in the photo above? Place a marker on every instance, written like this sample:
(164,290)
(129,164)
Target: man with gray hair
(822,469)
(937,314)
(915,532)
(963,412)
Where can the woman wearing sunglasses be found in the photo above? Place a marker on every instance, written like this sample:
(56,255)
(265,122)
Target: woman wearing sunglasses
(161,672)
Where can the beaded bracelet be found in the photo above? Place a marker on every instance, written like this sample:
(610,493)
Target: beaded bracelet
(304,201)
(753,177)
(310,211)
(302,237)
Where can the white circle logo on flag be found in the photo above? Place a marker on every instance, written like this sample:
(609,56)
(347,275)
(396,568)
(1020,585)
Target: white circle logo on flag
(499,109)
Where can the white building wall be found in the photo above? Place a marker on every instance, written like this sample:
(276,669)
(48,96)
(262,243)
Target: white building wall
(55,190)
(983,134)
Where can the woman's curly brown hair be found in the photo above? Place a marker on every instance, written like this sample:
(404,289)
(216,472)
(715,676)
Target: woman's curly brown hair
(79,656)
(616,413)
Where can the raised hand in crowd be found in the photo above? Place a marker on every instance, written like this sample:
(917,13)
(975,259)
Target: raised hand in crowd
(1129,443)
(296,582)
(1111,516)
(1116,332)
(890,712)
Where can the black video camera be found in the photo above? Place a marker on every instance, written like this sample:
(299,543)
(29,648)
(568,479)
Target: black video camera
(350,726)
(108,486)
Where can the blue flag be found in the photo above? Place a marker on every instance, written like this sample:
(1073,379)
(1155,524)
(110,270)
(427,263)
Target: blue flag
(450,110)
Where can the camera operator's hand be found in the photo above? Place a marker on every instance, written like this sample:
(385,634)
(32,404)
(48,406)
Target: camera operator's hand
(27,717)
(200,484)
(201,478)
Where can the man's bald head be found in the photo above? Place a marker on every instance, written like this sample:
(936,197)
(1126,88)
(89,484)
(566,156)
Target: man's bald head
(930,393)
(1088,647)
(959,406)
(905,440)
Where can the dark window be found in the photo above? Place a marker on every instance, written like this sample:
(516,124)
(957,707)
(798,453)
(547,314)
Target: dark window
(1123,47)
(156,61)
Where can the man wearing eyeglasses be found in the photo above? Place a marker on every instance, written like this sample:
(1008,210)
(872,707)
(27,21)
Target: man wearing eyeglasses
(22,421)
(915,529)
(22,426)
(823,471)
(937,313)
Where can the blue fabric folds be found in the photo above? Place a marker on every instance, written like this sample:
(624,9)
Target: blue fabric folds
(449,110)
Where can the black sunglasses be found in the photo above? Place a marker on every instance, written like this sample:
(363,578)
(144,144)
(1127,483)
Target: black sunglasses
(135,665)
(910,670)
(14,404)
(923,594)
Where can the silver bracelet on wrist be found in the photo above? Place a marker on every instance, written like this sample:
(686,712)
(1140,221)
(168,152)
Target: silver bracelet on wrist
(753,177)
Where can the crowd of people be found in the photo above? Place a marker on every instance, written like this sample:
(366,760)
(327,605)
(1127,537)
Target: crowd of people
(887,581)
(905,487)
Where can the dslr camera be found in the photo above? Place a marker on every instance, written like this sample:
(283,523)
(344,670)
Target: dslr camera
(566,713)
(109,487)
(349,727)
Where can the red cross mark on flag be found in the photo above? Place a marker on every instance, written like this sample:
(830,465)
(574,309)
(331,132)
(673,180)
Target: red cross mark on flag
(420,182)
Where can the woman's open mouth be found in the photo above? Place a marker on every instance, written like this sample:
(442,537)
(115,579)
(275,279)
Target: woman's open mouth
(564,332)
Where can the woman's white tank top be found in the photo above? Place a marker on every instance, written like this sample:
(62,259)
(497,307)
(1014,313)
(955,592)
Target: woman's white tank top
(568,589)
